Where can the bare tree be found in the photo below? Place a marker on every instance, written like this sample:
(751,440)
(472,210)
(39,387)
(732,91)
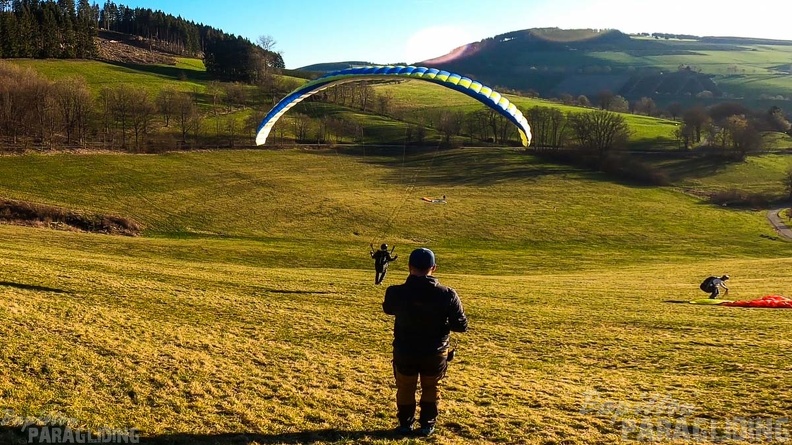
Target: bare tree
(744,136)
(475,125)
(365,94)
(301,124)
(105,100)
(141,109)
(599,131)
(41,110)
(645,105)
(674,109)
(618,104)
(787,182)
(235,94)
(186,114)
(604,99)
(684,135)
(450,124)
(776,121)
(698,119)
(232,128)
(121,108)
(166,105)
(566,99)
(11,102)
(267,43)
(384,102)
(73,100)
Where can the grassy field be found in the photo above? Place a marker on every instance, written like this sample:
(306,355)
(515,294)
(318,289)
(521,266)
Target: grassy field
(421,98)
(152,78)
(247,314)
(415,99)
(758,174)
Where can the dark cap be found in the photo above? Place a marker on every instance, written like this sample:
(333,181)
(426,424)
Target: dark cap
(422,258)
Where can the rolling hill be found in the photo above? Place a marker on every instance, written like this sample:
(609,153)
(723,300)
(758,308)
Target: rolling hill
(552,62)
(246,315)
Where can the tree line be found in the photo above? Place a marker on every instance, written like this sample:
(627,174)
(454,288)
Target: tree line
(36,112)
(47,29)
(62,29)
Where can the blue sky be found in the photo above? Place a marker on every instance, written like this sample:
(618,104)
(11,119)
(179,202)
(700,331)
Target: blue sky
(386,31)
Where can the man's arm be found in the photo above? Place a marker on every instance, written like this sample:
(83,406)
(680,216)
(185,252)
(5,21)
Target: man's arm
(389,305)
(457,321)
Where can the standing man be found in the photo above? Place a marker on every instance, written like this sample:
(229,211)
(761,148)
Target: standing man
(426,313)
(381,260)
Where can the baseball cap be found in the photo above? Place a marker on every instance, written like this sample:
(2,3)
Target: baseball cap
(422,258)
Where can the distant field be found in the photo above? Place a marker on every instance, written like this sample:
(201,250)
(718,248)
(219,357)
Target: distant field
(769,85)
(507,202)
(100,74)
(758,174)
(414,98)
(246,314)
(751,58)
(423,97)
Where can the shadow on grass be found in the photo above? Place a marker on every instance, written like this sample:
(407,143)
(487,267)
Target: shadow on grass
(432,165)
(282,291)
(685,166)
(15,435)
(677,301)
(32,287)
(328,435)
(170,72)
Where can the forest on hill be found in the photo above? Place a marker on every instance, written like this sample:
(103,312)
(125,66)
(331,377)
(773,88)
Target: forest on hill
(63,29)
(551,62)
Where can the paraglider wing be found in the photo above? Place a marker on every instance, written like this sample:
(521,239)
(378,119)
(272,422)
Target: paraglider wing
(476,90)
(769,301)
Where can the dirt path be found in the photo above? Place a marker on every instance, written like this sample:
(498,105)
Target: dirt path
(778,223)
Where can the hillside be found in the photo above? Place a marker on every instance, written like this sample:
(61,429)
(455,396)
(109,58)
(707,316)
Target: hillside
(553,62)
(334,66)
(125,48)
(246,315)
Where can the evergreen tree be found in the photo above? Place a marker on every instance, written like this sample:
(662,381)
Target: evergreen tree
(86,30)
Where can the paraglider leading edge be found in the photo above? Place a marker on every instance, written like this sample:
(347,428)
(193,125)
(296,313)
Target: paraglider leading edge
(472,88)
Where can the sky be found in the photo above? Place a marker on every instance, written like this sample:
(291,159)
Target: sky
(409,31)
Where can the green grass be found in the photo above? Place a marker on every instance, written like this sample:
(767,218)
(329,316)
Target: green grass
(414,99)
(766,84)
(247,314)
(752,58)
(758,174)
(331,197)
(420,98)
(152,78)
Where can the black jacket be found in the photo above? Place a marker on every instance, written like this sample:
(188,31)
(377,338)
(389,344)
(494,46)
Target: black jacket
(382,258)
(426,312)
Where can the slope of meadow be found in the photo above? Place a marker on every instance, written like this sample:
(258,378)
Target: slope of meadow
(246,314)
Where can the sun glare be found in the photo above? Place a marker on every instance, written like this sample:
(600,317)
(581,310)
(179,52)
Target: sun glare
(433,42)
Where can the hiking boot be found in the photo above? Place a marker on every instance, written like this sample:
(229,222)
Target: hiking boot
(426,431)
(403,430)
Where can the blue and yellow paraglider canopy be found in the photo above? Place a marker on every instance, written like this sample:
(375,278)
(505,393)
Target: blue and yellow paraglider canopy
(476,90)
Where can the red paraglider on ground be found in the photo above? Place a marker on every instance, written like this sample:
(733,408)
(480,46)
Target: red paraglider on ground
(768,301)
